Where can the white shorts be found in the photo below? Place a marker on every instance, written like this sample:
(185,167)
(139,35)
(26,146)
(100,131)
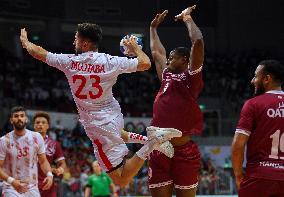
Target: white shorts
(109,147)
(9,192)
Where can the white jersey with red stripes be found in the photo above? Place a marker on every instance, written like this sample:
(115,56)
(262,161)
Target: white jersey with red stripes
(20,156)
(91,76)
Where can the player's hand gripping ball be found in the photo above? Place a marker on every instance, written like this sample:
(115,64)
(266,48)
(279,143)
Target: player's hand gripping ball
(124,49)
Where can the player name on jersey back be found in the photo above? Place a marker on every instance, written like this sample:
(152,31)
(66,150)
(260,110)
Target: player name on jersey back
(90,68)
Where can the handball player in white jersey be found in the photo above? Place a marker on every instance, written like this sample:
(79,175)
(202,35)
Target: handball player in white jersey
(91,76)
(20,152)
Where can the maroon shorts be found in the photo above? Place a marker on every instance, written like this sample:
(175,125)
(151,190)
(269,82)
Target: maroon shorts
(251,186)
(48,193)
(182,170)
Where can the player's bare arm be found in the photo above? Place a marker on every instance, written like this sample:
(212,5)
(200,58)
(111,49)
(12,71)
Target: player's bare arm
(144,62)
(158,51)
(113,190)
(45,167)
(19,186)
(238,150)
(34,50)
(60,167)
(87,192)
(197,49)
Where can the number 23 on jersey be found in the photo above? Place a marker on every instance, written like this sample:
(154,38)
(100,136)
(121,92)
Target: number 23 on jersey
(81,91)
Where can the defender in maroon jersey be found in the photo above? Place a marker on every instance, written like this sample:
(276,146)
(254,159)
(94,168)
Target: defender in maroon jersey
(54,153)
(261,128)
(176,106)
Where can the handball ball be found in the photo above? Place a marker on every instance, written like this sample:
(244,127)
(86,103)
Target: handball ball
(123,47)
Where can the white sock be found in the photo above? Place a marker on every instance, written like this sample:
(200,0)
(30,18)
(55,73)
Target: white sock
(148,147)
(136,138)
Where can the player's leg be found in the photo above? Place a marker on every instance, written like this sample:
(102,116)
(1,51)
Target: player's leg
(130,137)
(163,191)
(126,171)
(185,169)
(186,192)
(123,175)
(159,176)
(110,151)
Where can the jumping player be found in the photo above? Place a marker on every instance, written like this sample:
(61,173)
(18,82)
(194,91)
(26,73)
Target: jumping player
(175,106)
(53,151)
(261,129)
(20,152)
(91,76)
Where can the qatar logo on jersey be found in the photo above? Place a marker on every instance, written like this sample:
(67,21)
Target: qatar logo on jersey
(50,150)
(279,112)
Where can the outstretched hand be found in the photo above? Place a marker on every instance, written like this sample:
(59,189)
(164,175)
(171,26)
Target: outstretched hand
(158,19)
(185,13)
(24,37)
(131,46)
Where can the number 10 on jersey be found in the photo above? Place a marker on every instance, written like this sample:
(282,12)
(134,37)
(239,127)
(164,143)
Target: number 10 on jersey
(277,143)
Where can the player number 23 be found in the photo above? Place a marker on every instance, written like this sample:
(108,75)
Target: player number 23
(277,143)
(95,84)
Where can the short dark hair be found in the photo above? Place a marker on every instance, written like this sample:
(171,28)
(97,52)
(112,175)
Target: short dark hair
(182,51)
(90,31)
(275,68)
(17,109)
(41,114)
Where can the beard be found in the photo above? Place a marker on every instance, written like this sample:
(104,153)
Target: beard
(19,125)
(259,90)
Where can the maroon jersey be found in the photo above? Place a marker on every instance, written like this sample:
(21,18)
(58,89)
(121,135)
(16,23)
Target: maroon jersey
(53,153)
(175,105)
(262,119)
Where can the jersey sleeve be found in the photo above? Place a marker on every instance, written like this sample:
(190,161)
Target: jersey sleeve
(247,119)
(195,81)
(59,61)
(41,145)
(58,156)
(124,64)
(2,149)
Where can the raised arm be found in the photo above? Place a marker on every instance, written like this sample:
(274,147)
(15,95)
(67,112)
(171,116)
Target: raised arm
(197,49)
(157,49)
(35,51)
(144,62)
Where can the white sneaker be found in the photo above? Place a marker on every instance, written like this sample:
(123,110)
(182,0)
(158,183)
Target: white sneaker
(166,148)
(163,134)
